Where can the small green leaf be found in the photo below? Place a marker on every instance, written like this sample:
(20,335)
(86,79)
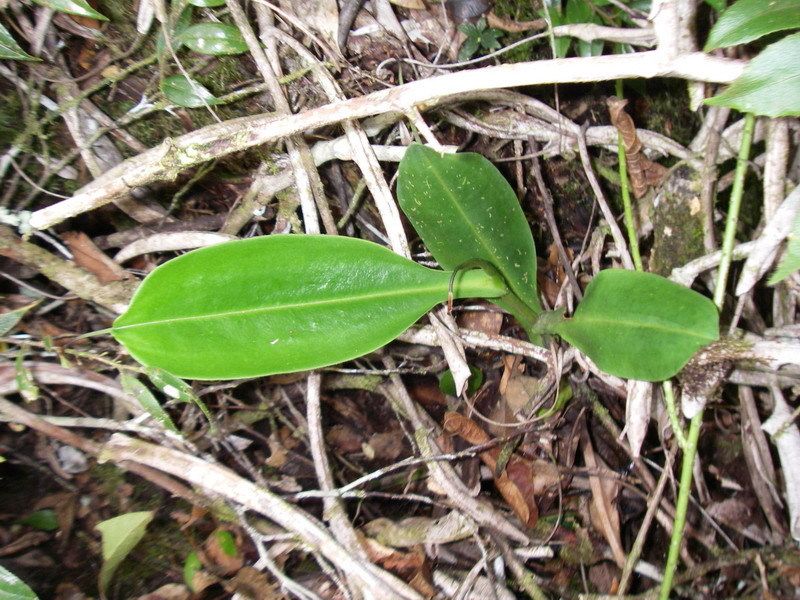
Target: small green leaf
(191,567)
(717,5)
(120,536)
(639,325)
(464,209)
(10,319)
(281,303)
(468,49)
(26,386)
(226,542)
(791,259)
(72,7)
(213,38)
(146,400)
(770,84)
(178,389)
(447,383)
(9,47)
(186,92)
(748,20)
(44,520)
(13,588)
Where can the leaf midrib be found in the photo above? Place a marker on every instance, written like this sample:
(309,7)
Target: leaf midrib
(279,307)
(634,324)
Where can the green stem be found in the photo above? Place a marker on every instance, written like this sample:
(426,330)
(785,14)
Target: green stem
(669,400)
(633,238)
(684,491)
(690,448)
(729,237)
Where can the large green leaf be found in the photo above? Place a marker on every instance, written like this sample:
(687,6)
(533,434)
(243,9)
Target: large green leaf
(282,303)
(213,38)
(464,209)
(748,20)
(639,325)
(73,7)
(13,588)
(120,536)
(9,48)
(770,84)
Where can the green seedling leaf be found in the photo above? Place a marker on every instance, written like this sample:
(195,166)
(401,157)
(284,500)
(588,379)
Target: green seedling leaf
(26,386)
(146,400)
(639,325)
(120,536)
(9,48)
(186,92)
(791,259)
(581,11)
(213,38)
(748,20)
(13,588)
(44,520)
(191,567)
(72,7)
(464,209)
(447,383)
(282,303)
(179,390)
(226,542)
(770,84)
(10,319)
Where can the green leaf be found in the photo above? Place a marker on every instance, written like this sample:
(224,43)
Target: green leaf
(13,588)
(213,38)
(580,11)
(791,259)
(44,520)
(120,536)
(770,84)
(464,209)
(447,383)
(639,325)
(186,92)
(717,5)
(9,48)
(748,20)
(468,49)
(177,388)
(282,303)
(72,7)
(191,567)
(9,320)
(226,542)
(146,400)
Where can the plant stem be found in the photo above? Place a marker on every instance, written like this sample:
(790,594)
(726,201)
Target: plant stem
(633,238)
(729,237)
(690,448)
(672,411)
(684,491)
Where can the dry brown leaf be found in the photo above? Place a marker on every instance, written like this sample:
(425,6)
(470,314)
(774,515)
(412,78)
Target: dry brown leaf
(487,321)
(320,15)
(409,4)
(604,490)
(216,557)
(252,583)
(91,258)
(512,26)
(170,591)
(515,483)
(412,567)
(643,172)
(344,439)
(386,446)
